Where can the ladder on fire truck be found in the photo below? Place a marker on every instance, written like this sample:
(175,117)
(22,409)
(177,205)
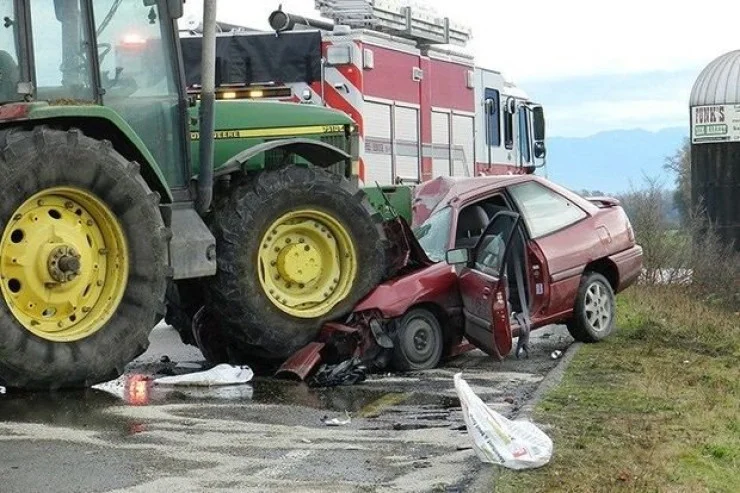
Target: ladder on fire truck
(396,17)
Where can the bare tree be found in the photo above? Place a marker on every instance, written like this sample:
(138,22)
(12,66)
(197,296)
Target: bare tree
(680,164)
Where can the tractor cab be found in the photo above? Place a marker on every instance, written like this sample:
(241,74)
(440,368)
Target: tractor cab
(117,53)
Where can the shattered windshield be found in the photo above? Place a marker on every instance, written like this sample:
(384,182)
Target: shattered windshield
(434,234)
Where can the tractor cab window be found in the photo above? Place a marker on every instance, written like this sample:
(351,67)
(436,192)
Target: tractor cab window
(60,46)
(9,70)
(138,76)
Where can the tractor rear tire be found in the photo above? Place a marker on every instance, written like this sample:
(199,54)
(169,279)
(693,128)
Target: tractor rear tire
(250,316)
(83,195)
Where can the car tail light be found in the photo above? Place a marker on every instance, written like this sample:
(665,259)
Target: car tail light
(630,231)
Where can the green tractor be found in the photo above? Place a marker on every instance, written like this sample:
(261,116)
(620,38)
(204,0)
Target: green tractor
(123,197)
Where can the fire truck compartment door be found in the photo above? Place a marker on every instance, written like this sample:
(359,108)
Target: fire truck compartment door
(378,151)
(463,150)
(406,143)
(440,144)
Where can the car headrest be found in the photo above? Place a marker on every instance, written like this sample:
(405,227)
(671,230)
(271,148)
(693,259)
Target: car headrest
(473,220)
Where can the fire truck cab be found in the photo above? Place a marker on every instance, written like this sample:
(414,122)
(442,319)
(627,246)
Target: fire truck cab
(422,107)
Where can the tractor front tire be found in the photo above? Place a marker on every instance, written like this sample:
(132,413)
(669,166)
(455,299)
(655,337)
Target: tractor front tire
(83,260)
(296,247)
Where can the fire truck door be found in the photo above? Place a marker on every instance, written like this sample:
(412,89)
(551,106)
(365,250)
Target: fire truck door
(492,120)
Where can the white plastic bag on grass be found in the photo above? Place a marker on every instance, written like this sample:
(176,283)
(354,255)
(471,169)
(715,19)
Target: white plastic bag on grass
(218,375)
(497,440)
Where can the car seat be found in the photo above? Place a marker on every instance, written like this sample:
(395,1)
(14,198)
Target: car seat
(470,226)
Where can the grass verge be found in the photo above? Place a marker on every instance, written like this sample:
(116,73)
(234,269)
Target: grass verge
(655,407)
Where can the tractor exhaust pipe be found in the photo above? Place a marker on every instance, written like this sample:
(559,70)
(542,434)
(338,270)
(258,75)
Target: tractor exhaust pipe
(207,107)
(282,21)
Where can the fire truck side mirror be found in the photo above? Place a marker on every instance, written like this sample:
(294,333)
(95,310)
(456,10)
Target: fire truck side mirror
(539,149)
(539,124)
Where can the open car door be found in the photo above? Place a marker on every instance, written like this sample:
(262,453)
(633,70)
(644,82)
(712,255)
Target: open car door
(483,286)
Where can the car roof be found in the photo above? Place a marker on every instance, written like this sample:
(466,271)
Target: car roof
(437,193)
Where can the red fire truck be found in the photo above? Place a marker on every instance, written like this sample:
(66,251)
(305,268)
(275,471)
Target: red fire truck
(423,107)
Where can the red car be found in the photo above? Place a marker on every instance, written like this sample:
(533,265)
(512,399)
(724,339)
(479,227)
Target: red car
(503,255)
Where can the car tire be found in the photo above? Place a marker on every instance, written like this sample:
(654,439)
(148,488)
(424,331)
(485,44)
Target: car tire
(418,341)
(594,312)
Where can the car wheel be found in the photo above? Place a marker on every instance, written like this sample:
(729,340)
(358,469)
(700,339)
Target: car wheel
(418,341)
(594,311)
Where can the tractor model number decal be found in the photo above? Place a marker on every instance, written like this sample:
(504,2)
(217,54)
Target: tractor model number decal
(272,132)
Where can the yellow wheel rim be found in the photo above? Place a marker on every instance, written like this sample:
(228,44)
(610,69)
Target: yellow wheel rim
(63,264)
(307,263)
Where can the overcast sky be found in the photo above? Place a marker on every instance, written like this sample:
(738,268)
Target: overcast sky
(590,49)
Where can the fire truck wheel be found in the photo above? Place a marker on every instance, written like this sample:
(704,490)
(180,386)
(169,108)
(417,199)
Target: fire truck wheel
(594,311)
(296,247)
(83,267)
(418,341)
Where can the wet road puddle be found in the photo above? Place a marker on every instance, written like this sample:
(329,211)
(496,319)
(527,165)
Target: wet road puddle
(87,409)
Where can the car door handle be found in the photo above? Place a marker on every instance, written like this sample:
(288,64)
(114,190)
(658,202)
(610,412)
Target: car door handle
(486,292)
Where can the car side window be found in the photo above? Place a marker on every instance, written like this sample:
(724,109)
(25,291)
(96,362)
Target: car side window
(489,254)
(544,210)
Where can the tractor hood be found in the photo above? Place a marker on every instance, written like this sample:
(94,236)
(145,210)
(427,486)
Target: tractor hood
(277,119)
(242,124)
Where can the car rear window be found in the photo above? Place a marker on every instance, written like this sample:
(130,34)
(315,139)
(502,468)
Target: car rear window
(544,211)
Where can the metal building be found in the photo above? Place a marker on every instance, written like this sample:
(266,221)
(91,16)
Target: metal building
(715,144)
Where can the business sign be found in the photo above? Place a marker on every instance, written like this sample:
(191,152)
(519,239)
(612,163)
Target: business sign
(715,123)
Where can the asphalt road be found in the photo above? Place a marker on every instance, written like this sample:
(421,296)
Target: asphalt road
(406,432)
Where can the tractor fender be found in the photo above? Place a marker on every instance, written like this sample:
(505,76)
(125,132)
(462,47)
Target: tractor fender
(103,123)
(314,151)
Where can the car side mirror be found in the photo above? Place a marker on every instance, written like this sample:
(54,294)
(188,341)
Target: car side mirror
(539,150)
(458,256)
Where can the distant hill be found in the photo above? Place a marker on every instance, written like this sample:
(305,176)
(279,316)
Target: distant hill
(609,161)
